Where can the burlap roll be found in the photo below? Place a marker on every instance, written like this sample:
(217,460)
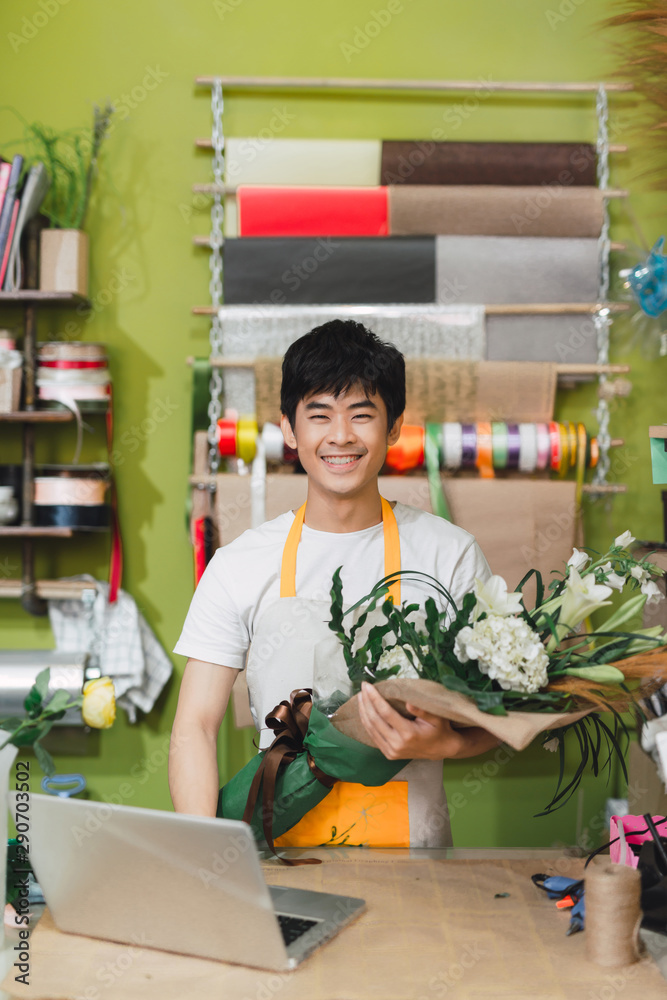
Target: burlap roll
(494,210)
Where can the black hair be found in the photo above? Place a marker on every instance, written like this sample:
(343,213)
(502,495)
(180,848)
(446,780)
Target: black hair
(336,356)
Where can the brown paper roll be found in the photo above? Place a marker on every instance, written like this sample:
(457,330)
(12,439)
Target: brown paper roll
(613,914)
(522,163)
(494,210)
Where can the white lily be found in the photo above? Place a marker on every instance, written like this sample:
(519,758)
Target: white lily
(624,540)
(613,579)
(581,596)
(493,598)
(578,560)
(652,592)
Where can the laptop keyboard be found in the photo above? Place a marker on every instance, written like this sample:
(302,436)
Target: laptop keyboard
(293,927)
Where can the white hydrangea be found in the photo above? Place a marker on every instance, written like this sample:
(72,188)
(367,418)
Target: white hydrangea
(507,650)
(398,657)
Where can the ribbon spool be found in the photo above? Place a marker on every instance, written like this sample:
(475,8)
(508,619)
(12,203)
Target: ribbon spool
(408,452)
(226,437)
(613,914)
(274,443)
(69,491)
(246,439)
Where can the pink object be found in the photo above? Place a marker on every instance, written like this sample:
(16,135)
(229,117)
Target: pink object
(625,827)
(7,344)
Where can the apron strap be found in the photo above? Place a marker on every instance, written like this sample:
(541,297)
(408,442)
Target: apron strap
(288,565)
(392,552)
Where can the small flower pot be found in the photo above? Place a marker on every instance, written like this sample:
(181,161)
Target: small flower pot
(63,261)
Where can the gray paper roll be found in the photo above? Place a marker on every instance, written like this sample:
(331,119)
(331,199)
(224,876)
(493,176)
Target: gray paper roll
(569,338)
(508,269)
(417,331)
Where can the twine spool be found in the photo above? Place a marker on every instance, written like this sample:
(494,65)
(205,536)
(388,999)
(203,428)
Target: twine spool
(613,914)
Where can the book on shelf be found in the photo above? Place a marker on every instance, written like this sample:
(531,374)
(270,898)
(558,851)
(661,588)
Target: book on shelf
(34,190)
(7,211)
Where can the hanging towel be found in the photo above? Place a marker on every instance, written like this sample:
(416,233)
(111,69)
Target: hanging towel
(523,163)
(417,330)
(566,338)
(311,211)
(281,271)
(323,162)
(494,210)
(516,269)
(119,641)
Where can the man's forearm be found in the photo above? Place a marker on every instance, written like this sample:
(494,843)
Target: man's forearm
(193,771)
(475,741)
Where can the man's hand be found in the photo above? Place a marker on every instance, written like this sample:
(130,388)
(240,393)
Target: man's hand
(428,737)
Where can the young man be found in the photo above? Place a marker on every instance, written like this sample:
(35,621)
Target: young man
(266,594)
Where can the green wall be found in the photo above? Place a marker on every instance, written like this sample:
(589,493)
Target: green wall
(141,224)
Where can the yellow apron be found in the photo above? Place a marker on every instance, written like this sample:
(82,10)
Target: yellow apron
(409,810)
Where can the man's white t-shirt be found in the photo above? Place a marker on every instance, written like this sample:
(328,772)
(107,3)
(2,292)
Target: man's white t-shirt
(243,577)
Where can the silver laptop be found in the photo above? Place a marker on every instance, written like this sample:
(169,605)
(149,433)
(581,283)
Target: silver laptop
(186,884)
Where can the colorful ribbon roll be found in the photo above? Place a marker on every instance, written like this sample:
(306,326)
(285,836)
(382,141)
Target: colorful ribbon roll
(408,452)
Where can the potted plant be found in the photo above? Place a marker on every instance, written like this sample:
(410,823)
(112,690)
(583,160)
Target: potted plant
(70,159)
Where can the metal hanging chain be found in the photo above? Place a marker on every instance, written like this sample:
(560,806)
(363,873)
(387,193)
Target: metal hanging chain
(602,318)
(215,265)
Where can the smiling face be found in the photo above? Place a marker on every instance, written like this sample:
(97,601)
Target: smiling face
(342,441)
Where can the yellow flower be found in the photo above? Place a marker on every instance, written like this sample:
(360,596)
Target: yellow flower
(99,703)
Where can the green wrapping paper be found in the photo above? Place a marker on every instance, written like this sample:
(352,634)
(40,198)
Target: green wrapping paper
(297,790)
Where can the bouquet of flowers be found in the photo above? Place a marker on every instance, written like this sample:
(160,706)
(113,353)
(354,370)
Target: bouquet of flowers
(489,663)
(516,673)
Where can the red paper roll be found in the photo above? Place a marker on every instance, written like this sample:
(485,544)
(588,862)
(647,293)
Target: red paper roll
(316,211)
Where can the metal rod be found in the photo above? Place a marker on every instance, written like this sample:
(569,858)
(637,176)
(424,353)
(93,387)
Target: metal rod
(204,142)
(565,368)
(231,189)
(518,309)
(588,487)
(205,241)
(361,83)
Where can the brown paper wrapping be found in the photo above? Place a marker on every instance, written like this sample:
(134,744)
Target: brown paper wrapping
(439,390)
(517,729)
(494,210)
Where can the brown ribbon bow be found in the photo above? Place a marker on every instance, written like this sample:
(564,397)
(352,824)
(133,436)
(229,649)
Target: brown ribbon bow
(289,721)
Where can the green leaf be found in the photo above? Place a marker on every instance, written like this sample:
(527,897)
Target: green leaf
(58,702)
(42,682)
(45,760)
(33,701)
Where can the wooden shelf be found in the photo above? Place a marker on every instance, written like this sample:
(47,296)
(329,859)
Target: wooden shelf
(26,296)
(47,589)
(34,532)
(37,416)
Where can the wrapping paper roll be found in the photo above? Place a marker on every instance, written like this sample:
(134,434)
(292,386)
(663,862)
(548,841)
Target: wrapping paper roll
(73,350)
(417,330)
(312,211)
(319,162)
(541,338)
(516,163)
(69,491)
(494,210)
(516,269)
(327,270)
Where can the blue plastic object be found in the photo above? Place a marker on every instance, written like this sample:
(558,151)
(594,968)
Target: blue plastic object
(63,785)
(648,281)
